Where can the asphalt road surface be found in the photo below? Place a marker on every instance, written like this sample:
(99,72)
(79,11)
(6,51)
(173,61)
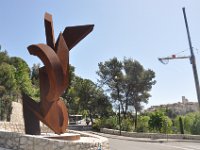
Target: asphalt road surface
(128,143)
(116,144)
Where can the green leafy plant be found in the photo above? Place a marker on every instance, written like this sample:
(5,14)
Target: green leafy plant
(143,125)
(196,125)
(127,124)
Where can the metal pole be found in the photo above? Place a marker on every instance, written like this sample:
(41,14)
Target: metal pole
(120,128)
(116,80)
(0,109)
(193,61)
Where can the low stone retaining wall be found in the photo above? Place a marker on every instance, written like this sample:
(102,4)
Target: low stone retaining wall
(19,128)
(12,137)
(80,127)
(18,141)
(17,113)
(151,135)
(12,127)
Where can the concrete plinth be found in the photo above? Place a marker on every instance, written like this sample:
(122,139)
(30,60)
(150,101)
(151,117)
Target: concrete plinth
(65,136)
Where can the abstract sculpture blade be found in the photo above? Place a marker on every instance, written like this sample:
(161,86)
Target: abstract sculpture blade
(54,78)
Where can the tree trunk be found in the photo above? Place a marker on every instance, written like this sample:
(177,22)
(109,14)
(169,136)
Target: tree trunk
(122,108)
(135,119)
(181,125)
(1,112)
(91,119)
(126,109)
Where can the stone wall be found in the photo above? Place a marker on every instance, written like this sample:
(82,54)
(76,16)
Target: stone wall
(12,127)
(17,113)
(19,128)
(151,135)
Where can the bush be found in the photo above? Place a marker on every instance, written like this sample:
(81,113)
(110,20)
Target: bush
(143,124)
(159,122)
(196,125)
(96,125)
(188,122)
(155,121)
(127,124)
(166,125)
(177,128)
(110,123)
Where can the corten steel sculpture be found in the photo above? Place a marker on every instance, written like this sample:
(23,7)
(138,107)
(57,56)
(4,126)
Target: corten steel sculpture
(54,78)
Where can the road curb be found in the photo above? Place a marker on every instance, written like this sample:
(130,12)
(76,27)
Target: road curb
(121,137)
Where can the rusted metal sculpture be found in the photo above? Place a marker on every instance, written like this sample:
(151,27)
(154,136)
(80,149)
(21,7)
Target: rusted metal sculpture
(54,78)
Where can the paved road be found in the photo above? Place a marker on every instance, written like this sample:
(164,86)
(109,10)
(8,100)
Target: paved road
(128,143)
(116,144)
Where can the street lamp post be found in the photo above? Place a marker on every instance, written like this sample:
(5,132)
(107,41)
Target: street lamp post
(120,128)
(1,109)
(193,61)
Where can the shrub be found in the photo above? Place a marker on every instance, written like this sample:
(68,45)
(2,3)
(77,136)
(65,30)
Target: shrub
(177,124)
(196,125)
(97,124)
(159,122)
(155,121)
(143,124)
(188,122)
(127,124)
(110,123)
(166,125)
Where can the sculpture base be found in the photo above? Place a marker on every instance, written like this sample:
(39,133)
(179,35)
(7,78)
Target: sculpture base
(65,136)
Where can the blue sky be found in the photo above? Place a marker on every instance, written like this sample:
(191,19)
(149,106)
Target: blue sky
(141,29)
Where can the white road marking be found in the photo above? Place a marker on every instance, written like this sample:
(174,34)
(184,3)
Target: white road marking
(194,147)
(183,148)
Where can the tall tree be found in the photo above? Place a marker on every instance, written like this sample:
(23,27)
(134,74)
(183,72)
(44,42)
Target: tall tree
(127,81)
(111,77)
(2,107)
(35,81)
(84,97)
(7,77)
(35,75)
(4,57)
(14,79)
(104,107)
(70,96)
(22,76)
(8,88)
(137,84)
(86,91)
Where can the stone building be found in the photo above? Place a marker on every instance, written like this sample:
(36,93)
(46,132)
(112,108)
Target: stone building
(180,108)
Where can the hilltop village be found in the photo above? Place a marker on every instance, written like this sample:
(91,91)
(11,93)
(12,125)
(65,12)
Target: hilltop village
(180,108)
